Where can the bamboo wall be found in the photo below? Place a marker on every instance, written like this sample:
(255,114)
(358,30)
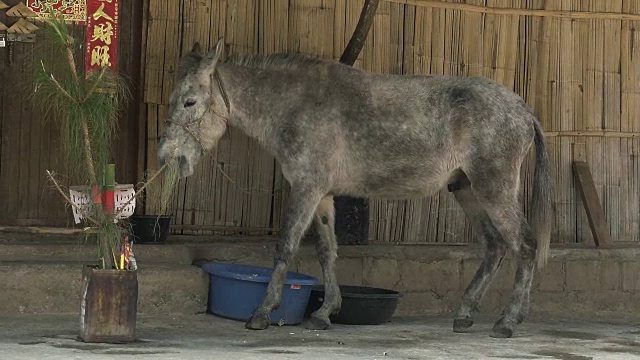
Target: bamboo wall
(577,63)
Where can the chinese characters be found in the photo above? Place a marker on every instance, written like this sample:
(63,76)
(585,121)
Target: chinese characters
(102,33)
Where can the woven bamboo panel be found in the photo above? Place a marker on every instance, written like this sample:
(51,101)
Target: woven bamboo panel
(576,63)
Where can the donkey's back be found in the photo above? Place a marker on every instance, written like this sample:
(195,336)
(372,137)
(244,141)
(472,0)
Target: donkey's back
(403,136)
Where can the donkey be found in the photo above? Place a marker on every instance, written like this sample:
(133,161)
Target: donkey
(340,131)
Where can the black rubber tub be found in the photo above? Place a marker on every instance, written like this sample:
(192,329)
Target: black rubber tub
(150,229)
(361,305)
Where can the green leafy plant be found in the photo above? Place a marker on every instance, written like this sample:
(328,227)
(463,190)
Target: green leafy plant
(86,107)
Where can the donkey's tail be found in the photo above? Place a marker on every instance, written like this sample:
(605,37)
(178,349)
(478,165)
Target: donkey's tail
(541,199)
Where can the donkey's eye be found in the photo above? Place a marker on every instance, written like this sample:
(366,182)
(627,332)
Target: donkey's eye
(189,103)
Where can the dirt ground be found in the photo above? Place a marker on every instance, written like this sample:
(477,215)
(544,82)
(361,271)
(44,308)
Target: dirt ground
(206,336)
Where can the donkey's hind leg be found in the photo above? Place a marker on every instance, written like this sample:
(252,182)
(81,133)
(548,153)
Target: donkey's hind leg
(495,250)
(327,250)
(499,195)
(517,308)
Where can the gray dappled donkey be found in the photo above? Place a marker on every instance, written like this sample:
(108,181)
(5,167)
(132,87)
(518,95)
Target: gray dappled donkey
(337,130)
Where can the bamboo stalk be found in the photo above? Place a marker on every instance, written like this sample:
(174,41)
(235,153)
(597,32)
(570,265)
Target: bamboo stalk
(523,12)
(85,127)
(607,134)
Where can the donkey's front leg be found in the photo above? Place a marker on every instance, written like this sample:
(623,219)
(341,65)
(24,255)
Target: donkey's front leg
(302,204)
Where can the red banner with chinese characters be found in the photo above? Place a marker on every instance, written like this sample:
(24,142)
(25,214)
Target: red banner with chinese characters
(102,35)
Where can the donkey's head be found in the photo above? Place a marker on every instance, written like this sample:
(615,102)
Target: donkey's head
(198,110)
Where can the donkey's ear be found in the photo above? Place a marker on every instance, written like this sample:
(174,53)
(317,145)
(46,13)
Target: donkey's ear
(190,61)
(211,59)
(219,46)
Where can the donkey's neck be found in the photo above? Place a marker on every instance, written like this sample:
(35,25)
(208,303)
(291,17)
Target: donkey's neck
(259,98)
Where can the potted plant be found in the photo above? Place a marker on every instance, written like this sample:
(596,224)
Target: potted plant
(86,107)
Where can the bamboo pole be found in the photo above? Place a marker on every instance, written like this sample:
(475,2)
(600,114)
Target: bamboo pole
(589,15)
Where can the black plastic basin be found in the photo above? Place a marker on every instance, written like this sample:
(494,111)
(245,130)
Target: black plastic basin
(150,229)
(361,305)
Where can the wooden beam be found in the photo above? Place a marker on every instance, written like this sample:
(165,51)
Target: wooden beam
(589,15)
(606,134)
(591,202)
(223,228)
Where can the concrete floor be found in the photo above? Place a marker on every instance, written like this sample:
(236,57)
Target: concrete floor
(203,336)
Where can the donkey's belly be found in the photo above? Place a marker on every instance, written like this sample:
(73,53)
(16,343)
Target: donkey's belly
(393,185)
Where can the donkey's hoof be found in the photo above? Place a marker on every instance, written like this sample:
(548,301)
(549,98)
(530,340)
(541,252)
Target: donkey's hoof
(460,325)
(501,331)
(317,323)
(257,322)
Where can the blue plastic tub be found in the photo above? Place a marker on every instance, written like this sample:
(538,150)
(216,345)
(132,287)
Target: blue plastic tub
(236,291)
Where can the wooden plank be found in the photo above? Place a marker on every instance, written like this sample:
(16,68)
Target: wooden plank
(591,203)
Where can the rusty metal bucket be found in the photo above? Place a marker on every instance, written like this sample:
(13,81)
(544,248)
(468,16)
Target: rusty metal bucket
(109,305)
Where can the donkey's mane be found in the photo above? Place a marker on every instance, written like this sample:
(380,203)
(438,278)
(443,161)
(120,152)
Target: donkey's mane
(190,62)
(277,61)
